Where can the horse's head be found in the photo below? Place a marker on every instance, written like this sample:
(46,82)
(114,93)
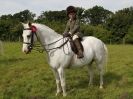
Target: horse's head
(44,34)
(28,39)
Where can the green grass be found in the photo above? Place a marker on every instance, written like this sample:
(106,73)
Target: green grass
(30,77)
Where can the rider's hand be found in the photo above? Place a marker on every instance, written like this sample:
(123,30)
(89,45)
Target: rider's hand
(66,35)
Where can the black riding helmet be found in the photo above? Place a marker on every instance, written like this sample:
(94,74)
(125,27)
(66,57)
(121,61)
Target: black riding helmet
(71,9)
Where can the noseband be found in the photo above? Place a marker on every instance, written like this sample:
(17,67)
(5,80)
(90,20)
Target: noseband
(30,45)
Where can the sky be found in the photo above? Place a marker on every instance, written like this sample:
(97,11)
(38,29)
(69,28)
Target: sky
(37,6)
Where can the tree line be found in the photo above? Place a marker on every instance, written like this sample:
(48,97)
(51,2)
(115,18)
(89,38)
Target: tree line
(108,26)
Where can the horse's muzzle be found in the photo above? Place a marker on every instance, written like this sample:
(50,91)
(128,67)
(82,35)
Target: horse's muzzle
(26,51)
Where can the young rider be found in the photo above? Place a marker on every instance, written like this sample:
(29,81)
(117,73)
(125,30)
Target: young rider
(73,29)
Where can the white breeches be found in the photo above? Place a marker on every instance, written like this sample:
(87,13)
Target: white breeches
(75,37)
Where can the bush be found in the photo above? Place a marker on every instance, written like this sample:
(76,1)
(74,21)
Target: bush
(129,36)
(96,31)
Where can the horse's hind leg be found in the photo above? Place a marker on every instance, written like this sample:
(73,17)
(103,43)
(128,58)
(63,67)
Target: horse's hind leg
(100,67)
(101,76)
(90,69)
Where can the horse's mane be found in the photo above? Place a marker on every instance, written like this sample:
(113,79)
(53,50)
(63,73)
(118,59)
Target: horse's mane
(45,27)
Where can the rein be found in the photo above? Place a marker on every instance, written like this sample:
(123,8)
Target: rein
(53,42)
(58,46)
(31,45)
(41,50)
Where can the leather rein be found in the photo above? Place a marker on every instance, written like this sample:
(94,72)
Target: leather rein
(31,45)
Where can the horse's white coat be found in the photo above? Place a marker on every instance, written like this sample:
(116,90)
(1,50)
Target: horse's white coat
(94,50)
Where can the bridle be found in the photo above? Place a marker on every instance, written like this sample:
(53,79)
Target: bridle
(31,45)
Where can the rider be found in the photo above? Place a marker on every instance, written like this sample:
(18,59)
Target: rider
(73,29)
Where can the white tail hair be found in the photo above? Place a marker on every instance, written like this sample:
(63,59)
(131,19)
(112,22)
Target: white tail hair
(105,57)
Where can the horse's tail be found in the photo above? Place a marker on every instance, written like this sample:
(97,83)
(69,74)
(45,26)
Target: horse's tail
(105,57)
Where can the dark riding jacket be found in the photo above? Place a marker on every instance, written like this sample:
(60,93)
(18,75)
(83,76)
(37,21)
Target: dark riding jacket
(73,27)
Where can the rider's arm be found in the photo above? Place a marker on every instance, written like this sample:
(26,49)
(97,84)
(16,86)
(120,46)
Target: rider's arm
(67,27)
(75,28)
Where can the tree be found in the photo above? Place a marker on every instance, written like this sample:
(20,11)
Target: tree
(97,15)
(97,31)
(54,19)
(80,13)
(6,17)
(119,24)
(10,28)
(53,16)
(24,16)
(129,36)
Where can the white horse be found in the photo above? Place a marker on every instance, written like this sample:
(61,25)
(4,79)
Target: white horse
(60,55)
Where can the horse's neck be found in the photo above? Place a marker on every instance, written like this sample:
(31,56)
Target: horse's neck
(47,35)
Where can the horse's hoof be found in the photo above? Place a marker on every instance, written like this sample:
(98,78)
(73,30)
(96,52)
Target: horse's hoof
(101,87)
(64,94)
(57,93)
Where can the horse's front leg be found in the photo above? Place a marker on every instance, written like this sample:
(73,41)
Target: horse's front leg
(57,81)
(62,79)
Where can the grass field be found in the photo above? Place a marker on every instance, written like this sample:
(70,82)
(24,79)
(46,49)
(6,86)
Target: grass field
(30,77)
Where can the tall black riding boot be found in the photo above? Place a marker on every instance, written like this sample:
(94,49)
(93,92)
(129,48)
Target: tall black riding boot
(79,47)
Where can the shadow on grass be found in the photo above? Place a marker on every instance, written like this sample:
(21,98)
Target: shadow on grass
(109,78)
